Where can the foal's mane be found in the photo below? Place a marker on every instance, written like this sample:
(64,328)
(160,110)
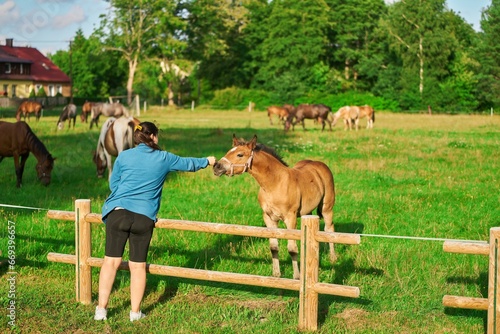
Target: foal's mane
(264,148)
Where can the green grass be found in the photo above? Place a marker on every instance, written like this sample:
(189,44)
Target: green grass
(412,175)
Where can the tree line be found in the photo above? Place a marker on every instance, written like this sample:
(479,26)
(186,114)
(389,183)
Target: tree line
(408,55)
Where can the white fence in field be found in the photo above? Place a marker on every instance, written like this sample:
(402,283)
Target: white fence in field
(308,286)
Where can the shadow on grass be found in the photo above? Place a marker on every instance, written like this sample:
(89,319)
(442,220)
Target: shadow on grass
(482,283)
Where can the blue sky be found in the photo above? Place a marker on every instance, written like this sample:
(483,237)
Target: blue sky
(49,25)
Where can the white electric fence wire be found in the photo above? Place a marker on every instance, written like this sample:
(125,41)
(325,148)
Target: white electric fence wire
(361,234)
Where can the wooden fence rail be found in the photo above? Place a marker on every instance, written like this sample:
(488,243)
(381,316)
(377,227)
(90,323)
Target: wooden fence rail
(308,285)
(492,303)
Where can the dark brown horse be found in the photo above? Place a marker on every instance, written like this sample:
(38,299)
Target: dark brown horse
(18,140)
(285,193)
(27,108)
(319,112)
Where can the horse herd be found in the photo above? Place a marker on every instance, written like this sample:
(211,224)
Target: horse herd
(18,140)
(289,115)
(286,193)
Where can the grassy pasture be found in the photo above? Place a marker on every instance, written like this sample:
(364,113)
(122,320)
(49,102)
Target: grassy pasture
(412,175)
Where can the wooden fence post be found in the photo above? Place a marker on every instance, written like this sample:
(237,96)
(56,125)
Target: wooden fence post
(494,282)
(309,270)
(83,252)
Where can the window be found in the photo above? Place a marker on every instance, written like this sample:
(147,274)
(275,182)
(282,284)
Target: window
(51,90)
(5,90)
(59,89)
(7,68)
(38,87)
(14,90)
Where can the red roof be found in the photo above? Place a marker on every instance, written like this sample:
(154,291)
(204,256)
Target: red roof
(42,69)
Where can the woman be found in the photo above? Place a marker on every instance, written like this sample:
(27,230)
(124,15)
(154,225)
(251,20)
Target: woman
(130,211)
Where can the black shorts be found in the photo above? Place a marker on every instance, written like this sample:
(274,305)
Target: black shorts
(122,225)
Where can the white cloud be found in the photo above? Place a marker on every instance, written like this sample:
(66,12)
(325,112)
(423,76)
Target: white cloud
(74,15)
(8,12)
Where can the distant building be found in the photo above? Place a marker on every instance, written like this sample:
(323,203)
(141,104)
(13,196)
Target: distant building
(23,69)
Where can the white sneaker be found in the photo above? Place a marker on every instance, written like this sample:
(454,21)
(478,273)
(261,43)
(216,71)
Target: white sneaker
(100,313)
(136,315)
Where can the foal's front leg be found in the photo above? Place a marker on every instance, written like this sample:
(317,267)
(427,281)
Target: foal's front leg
(273,245)
(293,250)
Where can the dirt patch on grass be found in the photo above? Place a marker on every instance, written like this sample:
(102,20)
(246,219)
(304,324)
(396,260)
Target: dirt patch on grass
(356,319)
(201,298)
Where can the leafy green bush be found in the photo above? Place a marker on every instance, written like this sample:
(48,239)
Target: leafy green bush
(227,98)
(41,93)
(236,98)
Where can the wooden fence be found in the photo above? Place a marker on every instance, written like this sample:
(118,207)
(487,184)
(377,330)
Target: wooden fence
(492,303)
(308,285)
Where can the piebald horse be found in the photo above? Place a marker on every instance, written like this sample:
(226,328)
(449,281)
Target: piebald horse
(285,193)
(115,109)
(352,114)
(117,135)
(68,114)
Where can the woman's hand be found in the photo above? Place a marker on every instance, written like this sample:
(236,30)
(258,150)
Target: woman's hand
(211,161)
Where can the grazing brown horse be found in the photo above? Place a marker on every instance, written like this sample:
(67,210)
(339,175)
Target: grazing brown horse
(86,109)
(27,108)
(319,112)
(68,114)
(117,135)
(17,140)
(368,112)
(281,112)
(285,193)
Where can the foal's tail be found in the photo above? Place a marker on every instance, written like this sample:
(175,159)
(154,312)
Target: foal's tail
(373,115)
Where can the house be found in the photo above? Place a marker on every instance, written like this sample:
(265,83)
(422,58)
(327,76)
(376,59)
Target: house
(23,69)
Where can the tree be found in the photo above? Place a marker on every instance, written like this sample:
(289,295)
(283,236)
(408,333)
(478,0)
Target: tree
(216,40)
(353,36)
(140,30)
(296,42)
(488,55)
(421,38)
(92,71)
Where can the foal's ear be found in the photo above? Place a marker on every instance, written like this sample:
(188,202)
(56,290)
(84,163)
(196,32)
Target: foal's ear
(253,142)
(235,140)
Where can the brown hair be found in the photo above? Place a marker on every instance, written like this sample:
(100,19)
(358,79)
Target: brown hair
(143,132)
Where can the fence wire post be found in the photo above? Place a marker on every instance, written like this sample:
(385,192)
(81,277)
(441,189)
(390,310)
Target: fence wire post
(493,282)
(83,252)
(309,271)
